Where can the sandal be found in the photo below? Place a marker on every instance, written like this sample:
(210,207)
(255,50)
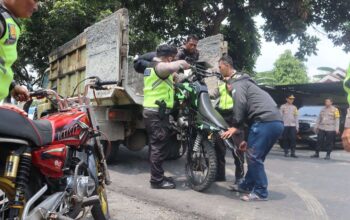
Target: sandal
(252,197)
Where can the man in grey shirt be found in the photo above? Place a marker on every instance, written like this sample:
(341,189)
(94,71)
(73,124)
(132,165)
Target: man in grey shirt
(255,107)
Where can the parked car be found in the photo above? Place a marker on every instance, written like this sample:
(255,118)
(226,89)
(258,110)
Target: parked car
(307,122)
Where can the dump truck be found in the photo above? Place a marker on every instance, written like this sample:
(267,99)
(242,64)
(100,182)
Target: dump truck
(102,50)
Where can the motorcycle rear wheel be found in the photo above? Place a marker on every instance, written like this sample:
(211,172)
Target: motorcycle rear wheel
(204,161)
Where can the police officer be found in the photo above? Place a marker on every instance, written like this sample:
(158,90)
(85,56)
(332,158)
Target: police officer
(158,101)
(291,126)
(189,51)
(346,133)
(225,108)
(10,11)
(327,127)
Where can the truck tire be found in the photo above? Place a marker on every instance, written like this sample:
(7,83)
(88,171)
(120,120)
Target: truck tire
(112,154)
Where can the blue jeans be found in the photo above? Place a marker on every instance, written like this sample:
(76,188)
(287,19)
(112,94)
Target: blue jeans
(261,138)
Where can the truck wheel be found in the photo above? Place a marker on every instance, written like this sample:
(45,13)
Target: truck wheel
(112,154)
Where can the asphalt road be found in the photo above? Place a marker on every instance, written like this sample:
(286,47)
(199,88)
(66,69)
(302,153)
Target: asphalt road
(302,188)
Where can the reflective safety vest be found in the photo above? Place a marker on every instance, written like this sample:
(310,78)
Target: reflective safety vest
(347,84)
(226,102)
(8,52)
(156,88)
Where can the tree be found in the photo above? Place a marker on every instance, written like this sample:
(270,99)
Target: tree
(155,21)
(265,78)
(289,70)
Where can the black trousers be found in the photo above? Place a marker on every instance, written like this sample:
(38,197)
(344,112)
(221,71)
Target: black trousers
(158,130)
(325,140)
(289,137)
(238,156)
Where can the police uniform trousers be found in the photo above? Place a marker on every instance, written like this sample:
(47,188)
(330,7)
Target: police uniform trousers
(220,149)
(325,140)
(158,130)
(289,137)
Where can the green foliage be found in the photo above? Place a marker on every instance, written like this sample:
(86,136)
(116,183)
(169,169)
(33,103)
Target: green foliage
(155,21)
(289,70)
(265,78)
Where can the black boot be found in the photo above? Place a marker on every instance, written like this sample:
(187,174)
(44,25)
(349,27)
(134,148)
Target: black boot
(316,155)
(328,156)
(293,155)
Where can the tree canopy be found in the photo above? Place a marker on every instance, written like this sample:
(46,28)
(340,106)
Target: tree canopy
(287,70)
(155,21)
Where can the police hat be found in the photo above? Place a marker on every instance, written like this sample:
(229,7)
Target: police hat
(290,97)
(166,50)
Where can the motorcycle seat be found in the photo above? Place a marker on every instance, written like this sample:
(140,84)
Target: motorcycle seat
(207,110)
(13,124)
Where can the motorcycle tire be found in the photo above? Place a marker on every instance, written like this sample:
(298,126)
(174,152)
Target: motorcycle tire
(208,151)
(101,211)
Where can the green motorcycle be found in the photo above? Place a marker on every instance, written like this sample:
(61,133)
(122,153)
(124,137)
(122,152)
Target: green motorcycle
(198,124)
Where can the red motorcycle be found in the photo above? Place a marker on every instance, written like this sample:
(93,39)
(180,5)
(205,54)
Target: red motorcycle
(54,167)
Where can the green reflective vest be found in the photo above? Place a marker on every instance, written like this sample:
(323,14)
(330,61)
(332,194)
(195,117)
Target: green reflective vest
(346,81)
(226,101)
(156,88)
(8,53)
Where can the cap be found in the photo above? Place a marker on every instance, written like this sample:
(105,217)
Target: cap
(290,97)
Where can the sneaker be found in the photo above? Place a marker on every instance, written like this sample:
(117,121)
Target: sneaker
(252,197)
(168,178)
(294,156)
(165,184)
(286,155)
(328,157)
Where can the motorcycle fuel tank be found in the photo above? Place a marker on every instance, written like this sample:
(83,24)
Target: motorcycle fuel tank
(69,127)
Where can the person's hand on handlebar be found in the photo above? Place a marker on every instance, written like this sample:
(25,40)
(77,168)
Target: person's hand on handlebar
(229,133)
(20,93)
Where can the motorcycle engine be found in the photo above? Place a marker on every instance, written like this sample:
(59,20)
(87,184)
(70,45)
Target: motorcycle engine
(85,185)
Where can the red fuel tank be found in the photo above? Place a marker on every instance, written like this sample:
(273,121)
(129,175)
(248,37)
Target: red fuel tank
(69,127)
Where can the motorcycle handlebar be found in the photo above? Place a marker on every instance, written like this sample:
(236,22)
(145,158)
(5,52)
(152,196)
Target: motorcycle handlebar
(64,103)
(38,93)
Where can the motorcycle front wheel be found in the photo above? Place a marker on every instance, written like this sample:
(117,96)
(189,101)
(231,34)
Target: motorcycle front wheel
(201,167)
(100,211)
